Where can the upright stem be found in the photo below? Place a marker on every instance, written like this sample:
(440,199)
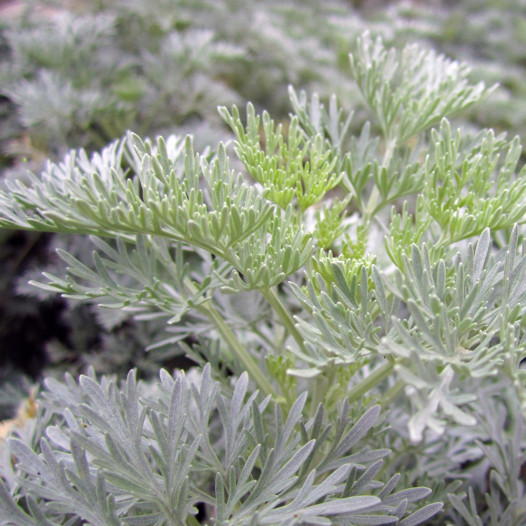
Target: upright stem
(271,296)
(321,385)
(389,150)
(238,351)
(392,393)
(370,381)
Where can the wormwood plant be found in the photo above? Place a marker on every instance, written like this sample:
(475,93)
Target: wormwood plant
(79,74)
(356,304)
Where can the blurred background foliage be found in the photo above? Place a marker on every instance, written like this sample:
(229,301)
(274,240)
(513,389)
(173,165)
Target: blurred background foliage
(80,73)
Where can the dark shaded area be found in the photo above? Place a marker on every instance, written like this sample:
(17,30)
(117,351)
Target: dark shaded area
(26,326)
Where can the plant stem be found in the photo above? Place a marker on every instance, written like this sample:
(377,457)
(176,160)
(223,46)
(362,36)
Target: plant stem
(389,150)
(391,394)
(370,381)
(322,386)
(239,352)
(271,296)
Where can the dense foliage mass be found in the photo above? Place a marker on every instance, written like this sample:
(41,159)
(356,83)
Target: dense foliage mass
(348,282)
(79,74)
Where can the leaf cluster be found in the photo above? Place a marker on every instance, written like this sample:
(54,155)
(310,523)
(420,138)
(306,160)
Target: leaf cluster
(123,455)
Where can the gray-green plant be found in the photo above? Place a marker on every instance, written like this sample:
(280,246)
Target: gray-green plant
(355,305)
(80,74)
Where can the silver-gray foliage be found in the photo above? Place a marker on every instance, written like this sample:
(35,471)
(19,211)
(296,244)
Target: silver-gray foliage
(133,454)
(339,274)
